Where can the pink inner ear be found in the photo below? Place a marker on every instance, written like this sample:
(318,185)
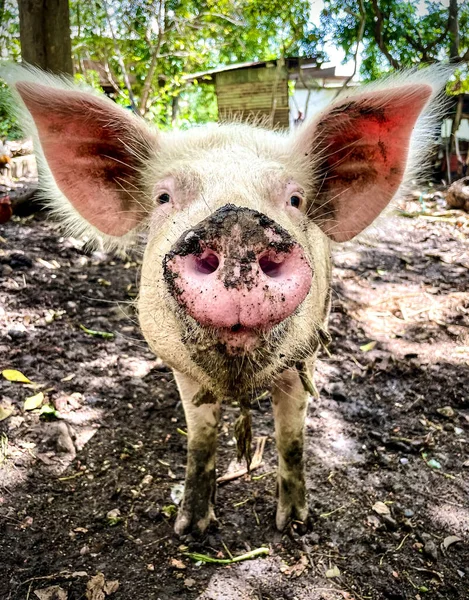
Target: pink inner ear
(85,141)
(365,144)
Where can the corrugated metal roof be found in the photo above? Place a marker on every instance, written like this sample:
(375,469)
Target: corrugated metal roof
(309,68)
(233,67)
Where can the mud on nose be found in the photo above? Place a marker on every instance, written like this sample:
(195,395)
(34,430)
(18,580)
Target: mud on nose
(238,268)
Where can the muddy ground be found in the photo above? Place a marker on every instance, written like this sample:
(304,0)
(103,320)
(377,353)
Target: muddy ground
(91,478)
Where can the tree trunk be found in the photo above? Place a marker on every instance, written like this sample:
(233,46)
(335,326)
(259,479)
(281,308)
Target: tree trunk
(453,28)
(149,81)
(45,34)
(174,110)
(456,122)
(379,38)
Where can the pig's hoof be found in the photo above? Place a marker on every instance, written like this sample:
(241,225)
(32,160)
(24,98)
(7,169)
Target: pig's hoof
(295,515)
(187,522)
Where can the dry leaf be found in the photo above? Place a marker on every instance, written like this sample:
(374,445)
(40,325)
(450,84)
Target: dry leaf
(32,402)
(334,572)
(68,377)
(49,265)
(95,587)
(177,564)
(298,568)
(54,592)
(14,375)
(5,412)
(98,588)
(381,509)
(111,586)
(451,539)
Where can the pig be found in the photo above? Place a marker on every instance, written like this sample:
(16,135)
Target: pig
(240,221)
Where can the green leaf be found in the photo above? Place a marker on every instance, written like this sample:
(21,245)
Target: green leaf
(368,347)
(93,332)
(49,412)
(169,510)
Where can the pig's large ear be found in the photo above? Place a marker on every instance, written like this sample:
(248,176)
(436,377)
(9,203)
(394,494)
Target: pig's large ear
(91,155)
(358,153)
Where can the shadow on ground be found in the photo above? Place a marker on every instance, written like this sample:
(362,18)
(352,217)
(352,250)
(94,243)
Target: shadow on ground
(95,490)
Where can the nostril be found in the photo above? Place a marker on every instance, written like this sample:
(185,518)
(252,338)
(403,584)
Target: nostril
(207,263)
(271,266)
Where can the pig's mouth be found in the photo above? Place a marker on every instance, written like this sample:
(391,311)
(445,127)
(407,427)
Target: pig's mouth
(238,357)
(238,339)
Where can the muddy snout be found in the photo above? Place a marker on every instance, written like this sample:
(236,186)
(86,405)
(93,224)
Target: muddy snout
(237,269)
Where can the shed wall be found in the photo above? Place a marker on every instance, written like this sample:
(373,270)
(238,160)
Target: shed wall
(250,93)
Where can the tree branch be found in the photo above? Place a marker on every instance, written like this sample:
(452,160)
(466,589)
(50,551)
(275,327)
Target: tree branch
(120,60)
(361,31)
(147,85)
(379,38)
(453,28)
(465,56)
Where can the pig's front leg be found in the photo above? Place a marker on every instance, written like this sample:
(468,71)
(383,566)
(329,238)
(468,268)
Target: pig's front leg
(290,402)
(197,508)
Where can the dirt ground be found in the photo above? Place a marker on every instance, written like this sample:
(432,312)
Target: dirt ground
(90,480)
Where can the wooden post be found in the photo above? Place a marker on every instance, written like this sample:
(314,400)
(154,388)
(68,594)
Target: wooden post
(45,34)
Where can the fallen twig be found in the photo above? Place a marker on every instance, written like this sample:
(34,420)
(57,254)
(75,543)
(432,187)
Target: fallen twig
(228,561)
(328,514)
(255,463)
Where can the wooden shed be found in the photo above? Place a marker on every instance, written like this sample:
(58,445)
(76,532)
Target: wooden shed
(260,90)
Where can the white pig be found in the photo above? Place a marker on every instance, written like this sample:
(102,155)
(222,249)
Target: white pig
(235,283)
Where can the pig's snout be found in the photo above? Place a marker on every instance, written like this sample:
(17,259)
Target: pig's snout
(238,268)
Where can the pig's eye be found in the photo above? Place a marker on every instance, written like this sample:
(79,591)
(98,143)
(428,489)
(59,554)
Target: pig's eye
(295,201)
(164,198)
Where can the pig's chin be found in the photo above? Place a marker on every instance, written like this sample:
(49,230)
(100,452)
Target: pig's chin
(238,340)
(238,359)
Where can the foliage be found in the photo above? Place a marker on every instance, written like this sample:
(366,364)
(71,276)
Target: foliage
(9,30)
(143,51)
(397,33)
(146,48)
(9,49)
(9,128)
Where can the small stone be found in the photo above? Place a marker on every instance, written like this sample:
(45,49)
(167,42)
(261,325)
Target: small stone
(430,550)
(381,508)
(6,270)
(337,392)
(389,521)
(446,411)
(153,513)
(19,261)
(17,334)
(374,521)
(408,513)
(404,460)
(177,564)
